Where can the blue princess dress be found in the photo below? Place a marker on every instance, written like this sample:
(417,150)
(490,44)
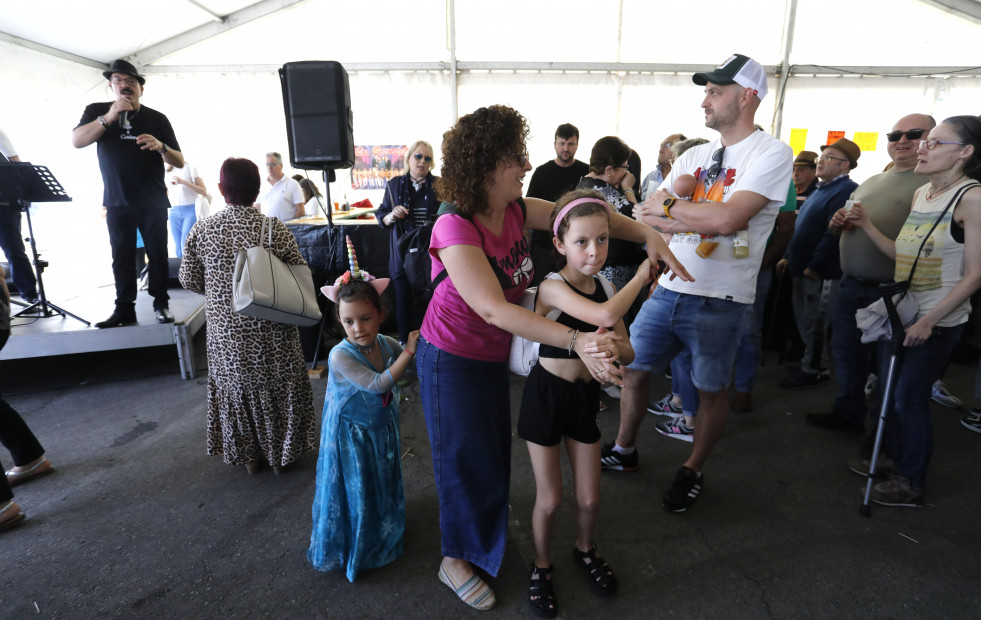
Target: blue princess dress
(359,506)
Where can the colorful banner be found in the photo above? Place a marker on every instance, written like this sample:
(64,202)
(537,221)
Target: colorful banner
(866,140)
(375,165)
(834,136)
(798,138)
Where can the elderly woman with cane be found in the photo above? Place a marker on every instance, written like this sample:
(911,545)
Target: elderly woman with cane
(942,238)
(466,334)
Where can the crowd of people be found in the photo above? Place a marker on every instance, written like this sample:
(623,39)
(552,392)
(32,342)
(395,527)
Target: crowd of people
(674,279)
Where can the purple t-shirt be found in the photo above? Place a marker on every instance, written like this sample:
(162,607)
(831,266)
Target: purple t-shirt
(450,323)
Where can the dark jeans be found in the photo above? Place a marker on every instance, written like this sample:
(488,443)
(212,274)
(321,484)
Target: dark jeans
(851,357)
(123,223)
(16,437)
(748,355)
(12,244)
(909,423)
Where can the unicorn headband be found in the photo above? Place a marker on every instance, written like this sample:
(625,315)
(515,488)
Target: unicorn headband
(565,211)
(354,273)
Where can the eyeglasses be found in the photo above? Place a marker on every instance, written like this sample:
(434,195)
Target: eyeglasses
(272,164)
(128,81)
(912,134)
(932,144)
(667,145)
(420,157)
(827,157)
(716,168)
(521,158)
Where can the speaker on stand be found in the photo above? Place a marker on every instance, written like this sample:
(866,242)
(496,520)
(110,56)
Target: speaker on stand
(320,130)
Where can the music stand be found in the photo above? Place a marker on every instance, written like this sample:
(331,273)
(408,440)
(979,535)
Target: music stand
(22,183)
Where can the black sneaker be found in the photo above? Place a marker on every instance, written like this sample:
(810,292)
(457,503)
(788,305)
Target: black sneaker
(611,459)
(800,380)
(683,491)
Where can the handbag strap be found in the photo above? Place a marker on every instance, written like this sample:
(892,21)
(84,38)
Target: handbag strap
(262,232)
(953,201)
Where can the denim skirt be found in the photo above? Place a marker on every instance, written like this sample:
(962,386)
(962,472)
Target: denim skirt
(468,416)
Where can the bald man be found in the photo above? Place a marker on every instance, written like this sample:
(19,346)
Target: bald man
(886,198)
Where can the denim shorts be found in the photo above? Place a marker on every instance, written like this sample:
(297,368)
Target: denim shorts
(710,327)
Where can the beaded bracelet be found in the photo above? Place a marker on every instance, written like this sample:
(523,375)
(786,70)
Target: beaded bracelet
(572,344)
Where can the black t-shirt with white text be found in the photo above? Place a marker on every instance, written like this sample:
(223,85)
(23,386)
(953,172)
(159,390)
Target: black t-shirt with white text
(132,177)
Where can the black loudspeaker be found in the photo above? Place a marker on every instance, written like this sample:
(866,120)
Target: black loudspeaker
(319,122)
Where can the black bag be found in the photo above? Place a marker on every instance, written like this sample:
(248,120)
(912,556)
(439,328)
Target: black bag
(413,248)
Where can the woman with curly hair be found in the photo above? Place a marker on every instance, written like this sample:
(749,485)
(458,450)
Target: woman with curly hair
(466,334)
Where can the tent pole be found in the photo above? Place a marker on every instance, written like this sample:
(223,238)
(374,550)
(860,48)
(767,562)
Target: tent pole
(788,45)
(454,85)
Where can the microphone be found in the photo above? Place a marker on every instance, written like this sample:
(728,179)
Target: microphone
(124,119)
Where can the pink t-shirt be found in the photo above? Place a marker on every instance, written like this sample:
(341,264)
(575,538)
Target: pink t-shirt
(450,323)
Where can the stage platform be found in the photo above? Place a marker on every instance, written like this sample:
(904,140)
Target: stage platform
(33,336)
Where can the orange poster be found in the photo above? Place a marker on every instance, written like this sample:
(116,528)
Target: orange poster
(834,136)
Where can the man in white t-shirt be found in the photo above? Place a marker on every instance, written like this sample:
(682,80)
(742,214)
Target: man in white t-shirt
(742,180)
(281,196)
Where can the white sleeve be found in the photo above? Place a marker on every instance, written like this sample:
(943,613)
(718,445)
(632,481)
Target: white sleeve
(6,146)
(767,175)
(296,195)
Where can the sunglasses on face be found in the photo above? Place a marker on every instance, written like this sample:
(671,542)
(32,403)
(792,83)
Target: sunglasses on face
(521,158)
(912,134)
(716,168)
(420,157)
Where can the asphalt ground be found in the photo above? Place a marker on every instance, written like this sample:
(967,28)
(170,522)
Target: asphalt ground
(139,522)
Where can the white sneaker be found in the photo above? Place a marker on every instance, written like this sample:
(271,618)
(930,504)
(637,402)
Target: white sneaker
(870,385)
(942,396)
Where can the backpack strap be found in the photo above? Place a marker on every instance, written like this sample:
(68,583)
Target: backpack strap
(450,208)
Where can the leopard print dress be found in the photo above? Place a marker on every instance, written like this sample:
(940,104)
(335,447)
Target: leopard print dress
(260,402)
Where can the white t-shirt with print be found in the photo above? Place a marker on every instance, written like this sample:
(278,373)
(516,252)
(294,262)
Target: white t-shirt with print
(759,163)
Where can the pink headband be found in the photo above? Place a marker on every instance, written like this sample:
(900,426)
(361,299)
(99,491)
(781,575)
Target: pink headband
(565,211)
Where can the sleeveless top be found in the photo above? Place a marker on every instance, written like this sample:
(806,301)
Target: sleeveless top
(598,296)
(941,263)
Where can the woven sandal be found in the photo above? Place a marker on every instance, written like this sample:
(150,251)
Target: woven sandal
(474,591)
(541,595)
(601,578)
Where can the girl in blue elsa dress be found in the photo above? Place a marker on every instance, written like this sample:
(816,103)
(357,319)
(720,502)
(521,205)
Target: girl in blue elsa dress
(359,506)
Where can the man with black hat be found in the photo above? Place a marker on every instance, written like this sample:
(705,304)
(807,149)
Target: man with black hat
(812,259)
(805,175)
(742,180)
(132,139)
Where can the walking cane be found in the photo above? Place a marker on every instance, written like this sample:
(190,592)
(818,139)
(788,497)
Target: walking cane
(895,348)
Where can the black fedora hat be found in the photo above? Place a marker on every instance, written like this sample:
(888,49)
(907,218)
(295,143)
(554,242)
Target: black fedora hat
(121,66)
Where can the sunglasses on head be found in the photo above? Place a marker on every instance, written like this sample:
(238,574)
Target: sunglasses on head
(716,168)
(420,157)
(912,134)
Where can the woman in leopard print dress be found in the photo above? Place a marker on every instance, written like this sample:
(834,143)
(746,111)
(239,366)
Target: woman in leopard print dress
(260,403)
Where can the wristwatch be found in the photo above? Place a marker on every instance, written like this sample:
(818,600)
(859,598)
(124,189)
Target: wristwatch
(163,148)
(667,204)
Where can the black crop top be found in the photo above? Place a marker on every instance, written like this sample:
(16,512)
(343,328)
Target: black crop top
(599,296)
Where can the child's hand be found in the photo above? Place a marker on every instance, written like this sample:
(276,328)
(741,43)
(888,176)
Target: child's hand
(644,271)
(412,342)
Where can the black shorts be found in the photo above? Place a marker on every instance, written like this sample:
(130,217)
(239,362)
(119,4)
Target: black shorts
(552,407)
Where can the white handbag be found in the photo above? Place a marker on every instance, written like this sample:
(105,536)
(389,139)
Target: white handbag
(202,207)
(264,286)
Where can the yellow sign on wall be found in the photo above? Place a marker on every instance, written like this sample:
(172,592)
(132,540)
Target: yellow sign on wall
(798,138)
(866,140)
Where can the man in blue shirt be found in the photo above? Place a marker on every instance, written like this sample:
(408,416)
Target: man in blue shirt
(812,258)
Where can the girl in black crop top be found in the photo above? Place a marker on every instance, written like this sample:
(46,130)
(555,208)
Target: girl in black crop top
(561,398)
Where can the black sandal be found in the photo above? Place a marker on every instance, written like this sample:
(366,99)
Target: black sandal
(541,595)
(598,572)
